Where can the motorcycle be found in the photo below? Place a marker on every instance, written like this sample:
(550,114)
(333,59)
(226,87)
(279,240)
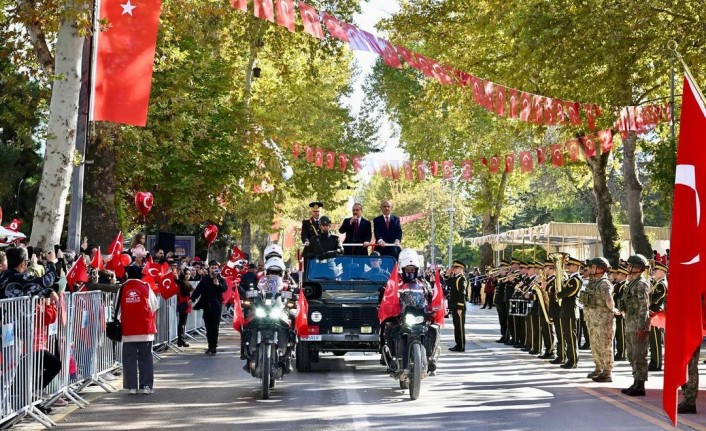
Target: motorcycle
(268,332)
(412,346)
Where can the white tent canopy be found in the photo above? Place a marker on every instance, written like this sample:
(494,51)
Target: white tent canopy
(581,240)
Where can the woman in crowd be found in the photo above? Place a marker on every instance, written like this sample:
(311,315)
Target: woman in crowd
(183,305)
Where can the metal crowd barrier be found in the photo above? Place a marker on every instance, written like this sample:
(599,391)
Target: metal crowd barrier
(78,339)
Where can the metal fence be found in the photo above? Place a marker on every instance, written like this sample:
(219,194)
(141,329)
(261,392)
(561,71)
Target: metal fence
(77,337)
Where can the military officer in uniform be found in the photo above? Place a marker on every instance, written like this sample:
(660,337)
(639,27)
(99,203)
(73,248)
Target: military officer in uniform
(458,289)
(510,281)
(635,303)
(534,331)
(600,318)
(500,302)
(569,312)
(518,285)
(310,229)
(619,284)
(657,296)
(552,308)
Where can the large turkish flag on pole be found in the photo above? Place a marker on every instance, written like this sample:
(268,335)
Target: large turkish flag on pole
(687,275)
(124,59)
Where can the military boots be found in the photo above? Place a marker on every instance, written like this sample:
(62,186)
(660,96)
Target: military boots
(638,390)
(603,377)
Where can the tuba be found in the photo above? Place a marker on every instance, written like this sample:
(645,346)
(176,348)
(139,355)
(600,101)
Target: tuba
(559,258)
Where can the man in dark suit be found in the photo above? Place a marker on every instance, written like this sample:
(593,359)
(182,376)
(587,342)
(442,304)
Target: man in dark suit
(388,231)
(358,230)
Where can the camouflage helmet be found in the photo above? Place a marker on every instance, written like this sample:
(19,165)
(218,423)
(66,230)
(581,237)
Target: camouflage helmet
(601,262)
(638,260)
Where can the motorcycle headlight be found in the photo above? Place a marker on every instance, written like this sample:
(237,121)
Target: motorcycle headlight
(275,313)
(411,319)
(260,312)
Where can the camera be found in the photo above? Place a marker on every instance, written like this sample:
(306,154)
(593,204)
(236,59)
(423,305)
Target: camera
(217,272)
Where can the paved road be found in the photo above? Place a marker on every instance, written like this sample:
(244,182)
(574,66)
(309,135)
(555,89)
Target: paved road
(490,387)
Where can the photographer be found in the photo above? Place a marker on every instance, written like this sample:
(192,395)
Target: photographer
(209,294)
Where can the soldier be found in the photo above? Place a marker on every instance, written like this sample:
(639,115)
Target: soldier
(518,287)
(691,387)
(582,329)
(325,245)
(501,302)
(534,331)
(600,312)
(458,289)
(512,278)
(657,295)
(635,303)
(552,313)
(618,287)
(310,229)
(569,313)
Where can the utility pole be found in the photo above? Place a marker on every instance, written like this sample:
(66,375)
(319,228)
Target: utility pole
(433,254)
(451,221)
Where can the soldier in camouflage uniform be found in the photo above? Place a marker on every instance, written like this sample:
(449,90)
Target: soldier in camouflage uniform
(657,296)
(599,309)
(618,286)
(635,304)
(691,387)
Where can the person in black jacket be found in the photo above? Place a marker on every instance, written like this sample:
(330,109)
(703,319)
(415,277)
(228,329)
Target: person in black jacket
(458,289)
(569,312)
(16,282)
(358,230)
(325,245)
(209,294)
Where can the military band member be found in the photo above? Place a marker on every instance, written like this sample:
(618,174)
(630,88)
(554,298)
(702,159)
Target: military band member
(569,313)
(657,296)
(619,284)
(534,332)
(519,321)
(600,318)
(582,330)
(552,312)
(500,301)
(511,280)
(458,289)
(635,303)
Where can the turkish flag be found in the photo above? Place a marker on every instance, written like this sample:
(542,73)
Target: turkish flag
(440,73)
(433,167)
(309,154)
(343,161)
(285,14)
(77,273)
(371,41)
(464,79)
(489,89)
(590,115)
(240,4)
(589,145)
(97,261)
(236,255)
(509,163)
(421,166)
(116,247)
(407,56)
(549,118)
(438,300)
(115,251)
(525,106)
(557,155)
(572,110)
(355,38)
(264,10)
(310,18)
(167,286)
(155,270)
(478,89)
(494,164)
(390,305)
(383,167)
(500,101)
(238,316)
(124,59)
(687,269)
(296,149)
(395,169)
(319,157)
(334,26)
(572,147)
(447,167)
(423,65)
(301,322)
(389,55)
(330,159)
(606,139)
(407,167)
(467,170)
(526,164)
(538,108)
(541,156)
(514,103)
(357,163)
(559,114)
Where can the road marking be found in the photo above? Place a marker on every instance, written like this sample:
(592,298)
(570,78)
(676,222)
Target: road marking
(360,420)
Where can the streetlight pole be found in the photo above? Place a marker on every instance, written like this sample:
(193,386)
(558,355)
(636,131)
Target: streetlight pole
(432,254)
(451,221)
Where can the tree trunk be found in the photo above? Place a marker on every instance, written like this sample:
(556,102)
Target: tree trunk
(491,217)
(604,202)
(633,190)
(61,141)
(246,236)
(100,215)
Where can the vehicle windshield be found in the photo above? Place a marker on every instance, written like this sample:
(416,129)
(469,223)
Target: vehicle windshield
(351,268)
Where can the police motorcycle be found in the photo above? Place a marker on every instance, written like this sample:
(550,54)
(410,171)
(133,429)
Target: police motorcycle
(411,346)
(268,332)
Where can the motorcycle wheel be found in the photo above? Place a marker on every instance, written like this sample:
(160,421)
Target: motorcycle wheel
(404,384)
(416,364)
(266,356)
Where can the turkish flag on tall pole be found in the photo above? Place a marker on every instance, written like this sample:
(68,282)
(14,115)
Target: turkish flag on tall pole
(687,278)
(124,58)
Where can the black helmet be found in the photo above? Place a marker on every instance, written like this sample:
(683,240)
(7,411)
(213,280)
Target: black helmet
(325,220)
(638,260)
(601,262)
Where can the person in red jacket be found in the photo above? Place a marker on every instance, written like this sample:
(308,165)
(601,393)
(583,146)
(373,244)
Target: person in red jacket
(138,306)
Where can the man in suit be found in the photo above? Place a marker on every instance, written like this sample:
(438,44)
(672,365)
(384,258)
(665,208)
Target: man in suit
(388,231)
(358,230)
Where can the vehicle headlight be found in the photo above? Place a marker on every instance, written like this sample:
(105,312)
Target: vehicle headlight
(276,313)
(316,316)
(260,312)
(411,319)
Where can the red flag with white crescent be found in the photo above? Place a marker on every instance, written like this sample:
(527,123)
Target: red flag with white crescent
(167,286)
(526,163)
(343,161)
(572,147)
(589,145)
(438,300)
(390,305)
(605,137)
(334,26)
(467,170)
(557,155)
(310,18)
(263,9)
(285,14)
(301,322)
(77,273)
(525,106)
(514,98)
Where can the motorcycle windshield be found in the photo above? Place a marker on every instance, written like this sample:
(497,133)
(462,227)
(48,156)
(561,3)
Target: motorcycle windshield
(270,285)
(413,295)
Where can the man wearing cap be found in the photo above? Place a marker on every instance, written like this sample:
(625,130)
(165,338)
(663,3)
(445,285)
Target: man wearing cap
(659,292)
(635,303)
(600,310)
(388,231)
(325,245)
(358,231)
(569,313)
(618,287)
(549,286)
(532,322)
(512,279)
(310,226)
(458,289)
(499,300)
(519,287)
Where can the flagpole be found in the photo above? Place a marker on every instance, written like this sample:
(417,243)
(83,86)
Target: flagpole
(673,46)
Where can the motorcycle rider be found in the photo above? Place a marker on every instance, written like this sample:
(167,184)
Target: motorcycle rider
(413,281)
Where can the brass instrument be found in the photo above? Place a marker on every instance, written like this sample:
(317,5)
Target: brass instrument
(542,296)
(559,259)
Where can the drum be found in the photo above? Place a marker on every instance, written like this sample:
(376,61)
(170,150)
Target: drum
(519,307)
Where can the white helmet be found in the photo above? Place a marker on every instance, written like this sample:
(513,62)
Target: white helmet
(408,257)
(273,250)
(274,264)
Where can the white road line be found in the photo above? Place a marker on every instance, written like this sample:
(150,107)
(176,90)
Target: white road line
(360,420)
